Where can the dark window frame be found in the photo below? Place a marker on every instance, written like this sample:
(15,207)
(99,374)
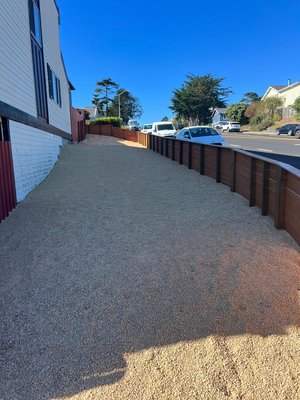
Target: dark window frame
(54,86)
(38,62)
(4,129)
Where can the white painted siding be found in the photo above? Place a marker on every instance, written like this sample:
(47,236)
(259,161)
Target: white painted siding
(58,116)
(16,66)
(289,95)
(34,151)
(34,154)
(16,70)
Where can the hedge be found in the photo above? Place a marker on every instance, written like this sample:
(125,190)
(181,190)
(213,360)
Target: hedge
(114,121)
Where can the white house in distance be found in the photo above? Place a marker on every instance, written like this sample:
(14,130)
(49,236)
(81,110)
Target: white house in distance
(34,90)
(288,94)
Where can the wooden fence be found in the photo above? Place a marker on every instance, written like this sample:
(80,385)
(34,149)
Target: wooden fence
(78,126)
(270,185)
(109,130)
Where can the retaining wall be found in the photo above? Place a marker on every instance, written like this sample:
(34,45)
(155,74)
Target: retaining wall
(109,130)
(272,186)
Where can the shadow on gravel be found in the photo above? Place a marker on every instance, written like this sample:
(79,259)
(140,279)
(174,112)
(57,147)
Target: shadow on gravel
(115,273)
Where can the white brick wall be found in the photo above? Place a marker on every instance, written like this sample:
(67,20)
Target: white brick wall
(34,154)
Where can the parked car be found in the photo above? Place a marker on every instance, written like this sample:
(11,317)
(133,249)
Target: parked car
(230,126)
(297,132)
(219,125)
(178,127)
(163,129)
(133,125)
(147,128)
(288,129)
(201,134)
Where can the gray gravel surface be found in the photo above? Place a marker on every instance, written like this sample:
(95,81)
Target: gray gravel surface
(127,276)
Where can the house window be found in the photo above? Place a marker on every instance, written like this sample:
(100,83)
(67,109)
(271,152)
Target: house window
(35,20)
(4,130)
(38,58)
(54,86)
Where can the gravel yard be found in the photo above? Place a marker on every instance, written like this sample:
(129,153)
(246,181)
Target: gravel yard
(125,276)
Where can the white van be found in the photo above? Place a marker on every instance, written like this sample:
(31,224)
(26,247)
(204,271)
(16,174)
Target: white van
(133,125)
(163,129)
(147,128)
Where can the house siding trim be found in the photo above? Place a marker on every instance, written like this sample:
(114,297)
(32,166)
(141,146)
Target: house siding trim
(14,114)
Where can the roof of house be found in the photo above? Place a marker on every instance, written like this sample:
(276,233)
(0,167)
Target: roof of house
(91,110)
(220,110)
(278,87)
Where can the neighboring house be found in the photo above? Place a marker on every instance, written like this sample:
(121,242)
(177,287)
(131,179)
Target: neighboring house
(93,112)
(218,115)
(34,90)
(288,94)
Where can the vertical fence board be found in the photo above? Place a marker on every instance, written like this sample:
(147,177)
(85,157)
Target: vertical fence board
(8,199)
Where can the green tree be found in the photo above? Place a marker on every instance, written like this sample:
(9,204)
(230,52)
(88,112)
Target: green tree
(264,113)
(269,107)
(296,105)
(130,106)
(165,119)
(192,102)
(236,112)
(102,97)
(250,98)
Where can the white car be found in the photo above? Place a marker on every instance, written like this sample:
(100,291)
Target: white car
(163,129)
(219,125)
(230,127)
(133,125)
(147,128)
(202,135)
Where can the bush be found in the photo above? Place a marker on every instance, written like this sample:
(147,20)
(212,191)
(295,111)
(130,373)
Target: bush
(114,121)
(296,106)
(251,110)
(260,124)
(256,119)
(236,112)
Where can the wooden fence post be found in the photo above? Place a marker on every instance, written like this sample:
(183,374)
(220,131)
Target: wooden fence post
(202,159)
(180,151)
(218,165)
(252,200)
(173,149)
(265,190)
(280,198)
(190,155)
(233,170)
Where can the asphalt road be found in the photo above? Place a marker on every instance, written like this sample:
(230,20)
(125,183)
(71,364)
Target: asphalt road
(283,148)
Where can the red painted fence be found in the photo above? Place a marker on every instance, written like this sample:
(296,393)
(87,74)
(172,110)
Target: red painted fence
(8,199)
(109,130)
(78,126)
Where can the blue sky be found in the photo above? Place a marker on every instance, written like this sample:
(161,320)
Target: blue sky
(149,46)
